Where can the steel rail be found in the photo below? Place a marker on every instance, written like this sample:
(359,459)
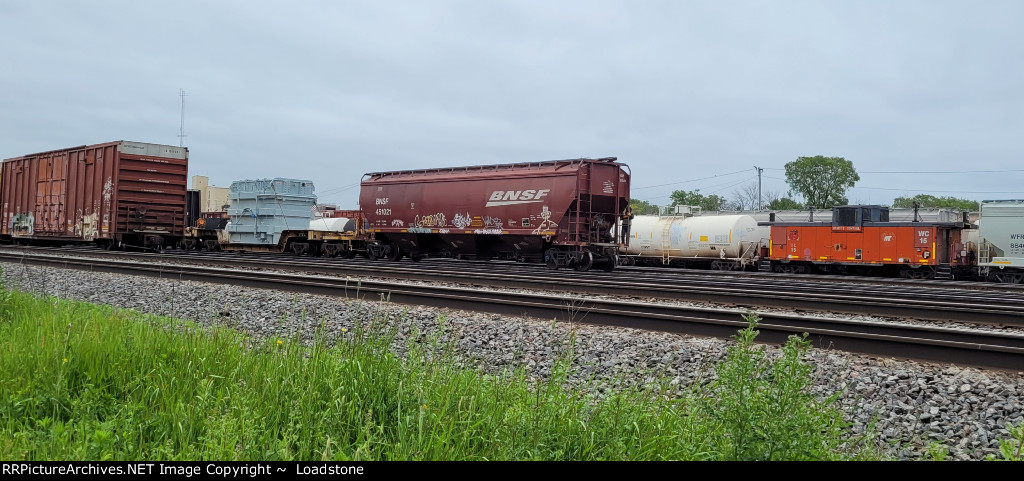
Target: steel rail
(929,343)
(920,303)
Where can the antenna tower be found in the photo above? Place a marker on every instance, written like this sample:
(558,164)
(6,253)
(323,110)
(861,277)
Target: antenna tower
(181,130)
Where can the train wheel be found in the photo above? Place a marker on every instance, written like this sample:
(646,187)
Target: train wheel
(609,266)
(1008,277)
(550,260)
(723,265)
(585,262)
(330,250)
(791,268)
(919,273)
(371,254)
(394,253)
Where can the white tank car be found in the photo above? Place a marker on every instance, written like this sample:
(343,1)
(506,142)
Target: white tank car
(724,241)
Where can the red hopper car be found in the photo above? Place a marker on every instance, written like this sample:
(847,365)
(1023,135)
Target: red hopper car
(564,212)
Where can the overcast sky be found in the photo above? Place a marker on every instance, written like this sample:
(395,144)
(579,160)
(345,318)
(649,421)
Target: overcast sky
(690,94)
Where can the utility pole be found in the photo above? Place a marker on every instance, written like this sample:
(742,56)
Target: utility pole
(759,170)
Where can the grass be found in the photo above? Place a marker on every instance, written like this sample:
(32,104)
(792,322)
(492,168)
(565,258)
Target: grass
(79,381)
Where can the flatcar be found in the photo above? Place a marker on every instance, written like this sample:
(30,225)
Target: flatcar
(280,215)
(112,194)
(564,212)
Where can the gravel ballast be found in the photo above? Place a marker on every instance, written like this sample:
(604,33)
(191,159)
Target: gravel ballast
(911,405)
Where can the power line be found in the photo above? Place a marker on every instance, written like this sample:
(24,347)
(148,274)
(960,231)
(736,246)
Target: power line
(928,190)
(711,189)
(734,184)
(691,180)
(947,191)
(940,171)
(337,190)
(997,171)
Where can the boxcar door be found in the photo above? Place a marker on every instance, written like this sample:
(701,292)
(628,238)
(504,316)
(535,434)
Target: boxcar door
(51,196)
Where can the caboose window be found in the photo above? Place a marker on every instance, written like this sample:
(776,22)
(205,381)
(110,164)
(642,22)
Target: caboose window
(856,215)
(845,216)
(876,214)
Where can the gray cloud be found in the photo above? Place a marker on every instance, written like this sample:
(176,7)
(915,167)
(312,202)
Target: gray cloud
(329,90)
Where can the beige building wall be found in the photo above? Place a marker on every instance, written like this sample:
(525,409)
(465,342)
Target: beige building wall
(211,198)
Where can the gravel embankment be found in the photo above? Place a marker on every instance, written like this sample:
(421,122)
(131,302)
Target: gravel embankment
(912,405)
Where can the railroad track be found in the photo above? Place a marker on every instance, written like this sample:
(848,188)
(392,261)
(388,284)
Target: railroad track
(964,302)
(989,349)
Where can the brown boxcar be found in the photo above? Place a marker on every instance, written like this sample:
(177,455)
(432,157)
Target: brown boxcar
(113,194)
(861,239)
(564,212)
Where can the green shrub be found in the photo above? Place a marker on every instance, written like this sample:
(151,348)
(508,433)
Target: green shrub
(763,409)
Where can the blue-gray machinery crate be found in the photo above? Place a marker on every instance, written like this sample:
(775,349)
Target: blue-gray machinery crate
(262,209)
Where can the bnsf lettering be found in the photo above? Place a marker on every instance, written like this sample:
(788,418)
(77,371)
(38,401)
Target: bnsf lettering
(509,197)
(531,194)
(382,201)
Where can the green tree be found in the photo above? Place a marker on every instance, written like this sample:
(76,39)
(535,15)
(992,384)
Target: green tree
(784,203)
(925,200)
(822,181)
(707,203)
(642,207)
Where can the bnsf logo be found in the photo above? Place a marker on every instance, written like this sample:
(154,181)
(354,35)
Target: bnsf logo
(510,197)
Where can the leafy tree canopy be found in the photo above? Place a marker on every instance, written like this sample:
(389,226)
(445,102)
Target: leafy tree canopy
(822,181)
(708,203)
(925,200)
(784,203)
(642,207)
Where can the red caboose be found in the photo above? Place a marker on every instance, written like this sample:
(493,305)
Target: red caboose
(565,212)
(861,238)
